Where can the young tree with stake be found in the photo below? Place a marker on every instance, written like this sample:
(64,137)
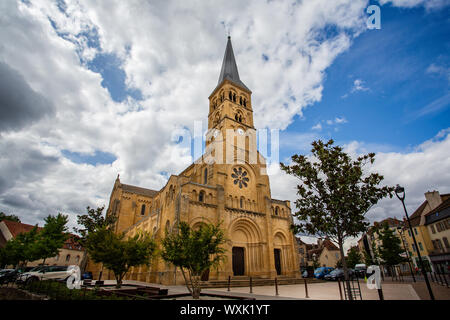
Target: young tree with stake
(334,194)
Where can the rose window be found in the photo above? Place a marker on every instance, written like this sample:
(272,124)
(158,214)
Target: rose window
(240,177)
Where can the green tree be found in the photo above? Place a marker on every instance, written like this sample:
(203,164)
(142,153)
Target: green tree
(21,249)
(117,253)
(52,237)
(354,257)
(390,250)
(334,195)
(11,217)
(194,252)
(93,221)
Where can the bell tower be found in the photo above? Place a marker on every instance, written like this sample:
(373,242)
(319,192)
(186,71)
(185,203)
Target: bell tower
(230,105)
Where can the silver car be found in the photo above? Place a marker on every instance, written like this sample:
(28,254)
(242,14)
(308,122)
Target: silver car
(45,273)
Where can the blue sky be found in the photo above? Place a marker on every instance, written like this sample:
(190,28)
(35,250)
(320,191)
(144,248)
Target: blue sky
(400,102)
(392,63)
(102,86)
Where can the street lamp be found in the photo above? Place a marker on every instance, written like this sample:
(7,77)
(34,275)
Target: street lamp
(399,229)
(400,193)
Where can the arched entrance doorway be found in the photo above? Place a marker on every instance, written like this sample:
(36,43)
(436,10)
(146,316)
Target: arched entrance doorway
(238,261)
(246,247)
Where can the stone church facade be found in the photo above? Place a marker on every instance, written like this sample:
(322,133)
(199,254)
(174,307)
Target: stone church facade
(236,193)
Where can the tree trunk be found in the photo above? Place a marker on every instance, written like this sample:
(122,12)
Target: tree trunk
(119,280)
(344,266)
(186,281)
(195,281)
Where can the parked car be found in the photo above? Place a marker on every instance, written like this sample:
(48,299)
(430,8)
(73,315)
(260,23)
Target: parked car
(45,273)
(8,275)
(86,275)
(360,270)
(319,273)
(334,275)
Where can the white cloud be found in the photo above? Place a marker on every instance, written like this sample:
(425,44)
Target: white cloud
(169,50)
(317,127)
(340,120)
(439,70)
(358,85)
(425,168)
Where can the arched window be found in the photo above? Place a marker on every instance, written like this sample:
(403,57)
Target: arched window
(143,210)
(167,226)
(245,103)
(240,101)
(77,259)
(276,211)
(68,257)
(241,203)
(201,196)
(205,177)
(234,97)
(230,95)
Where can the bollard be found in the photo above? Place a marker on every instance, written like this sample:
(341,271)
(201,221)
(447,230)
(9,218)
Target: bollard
(306,289)
(440,280)
(251,288)
(229,282)
(380,294)
(276,286)
(340,290)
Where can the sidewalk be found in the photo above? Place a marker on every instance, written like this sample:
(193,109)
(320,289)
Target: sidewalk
(316,291)
(330,291)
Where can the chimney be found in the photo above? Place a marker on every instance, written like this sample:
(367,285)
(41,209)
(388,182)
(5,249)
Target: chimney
(433,199)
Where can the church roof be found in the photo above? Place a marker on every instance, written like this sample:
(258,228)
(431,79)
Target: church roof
(138,190)
(229,69)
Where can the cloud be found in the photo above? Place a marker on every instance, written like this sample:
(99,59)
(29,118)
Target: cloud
(317,127)
(340,120)
(358,85)
(20,105)
(434,106)
(425,168)
(439,70)
(53,53)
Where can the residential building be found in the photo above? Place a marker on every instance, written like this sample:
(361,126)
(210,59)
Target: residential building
(324,252)
(437,222)
(423,232)
(70,254)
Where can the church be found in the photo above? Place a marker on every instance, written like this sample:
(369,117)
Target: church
(235,192)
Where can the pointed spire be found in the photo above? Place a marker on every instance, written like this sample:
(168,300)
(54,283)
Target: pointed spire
(229,69)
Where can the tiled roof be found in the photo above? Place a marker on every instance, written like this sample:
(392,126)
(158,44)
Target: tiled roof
(329,245)
(17,227)
(138,190)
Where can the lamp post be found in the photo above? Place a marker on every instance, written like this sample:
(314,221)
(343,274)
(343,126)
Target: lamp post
(407,253)
(400,193)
